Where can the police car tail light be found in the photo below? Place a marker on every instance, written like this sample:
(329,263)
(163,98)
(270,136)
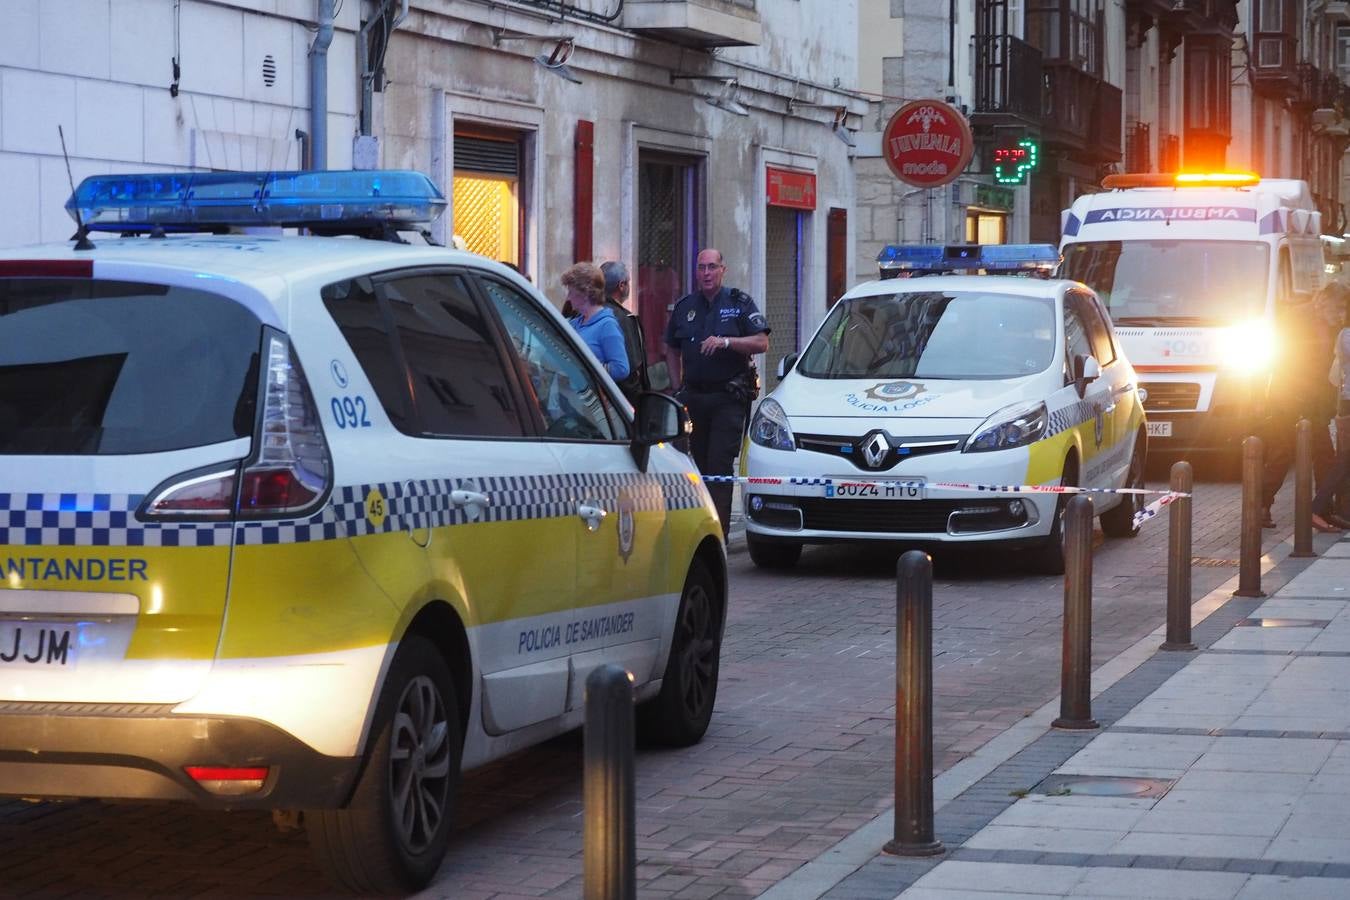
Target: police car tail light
(228,781)
(209,495)
(770,427)
(291,469)
(1012,426)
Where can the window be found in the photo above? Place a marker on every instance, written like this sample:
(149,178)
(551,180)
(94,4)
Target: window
(361,319)
(985,227)
(570,400)
(1343,51)
(100,368)
(1098,334)
(1076,340)
(459,382)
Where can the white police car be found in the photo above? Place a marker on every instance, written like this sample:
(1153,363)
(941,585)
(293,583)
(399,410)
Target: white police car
(911,383)
(312,523)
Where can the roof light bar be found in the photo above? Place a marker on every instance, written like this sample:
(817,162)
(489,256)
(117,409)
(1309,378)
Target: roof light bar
(925,259)
(205,201)
(1180,179)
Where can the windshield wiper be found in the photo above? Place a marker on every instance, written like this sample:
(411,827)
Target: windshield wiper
(1161,321)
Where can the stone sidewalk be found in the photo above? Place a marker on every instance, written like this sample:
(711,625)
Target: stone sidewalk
(1218,773)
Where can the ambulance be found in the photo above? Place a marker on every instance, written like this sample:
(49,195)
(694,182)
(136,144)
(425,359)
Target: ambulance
(310,524)
(1208,279)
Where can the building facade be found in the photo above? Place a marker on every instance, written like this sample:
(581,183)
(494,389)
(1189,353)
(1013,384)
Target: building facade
(559,130)
(638,131)
(142,85)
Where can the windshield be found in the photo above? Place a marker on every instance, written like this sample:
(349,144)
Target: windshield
(101,368)
(1180,282)
(934,334)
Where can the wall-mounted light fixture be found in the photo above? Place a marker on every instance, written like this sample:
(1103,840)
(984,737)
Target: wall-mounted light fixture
(556,61)
(725,99)
(840,117)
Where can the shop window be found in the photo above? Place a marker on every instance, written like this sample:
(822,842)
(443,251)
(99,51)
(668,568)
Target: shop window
(487,195)
(986,227)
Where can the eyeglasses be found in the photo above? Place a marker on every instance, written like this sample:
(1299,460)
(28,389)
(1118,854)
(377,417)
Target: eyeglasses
(709,267)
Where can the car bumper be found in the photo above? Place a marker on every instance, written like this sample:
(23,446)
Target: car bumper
(814,513)
(140,753)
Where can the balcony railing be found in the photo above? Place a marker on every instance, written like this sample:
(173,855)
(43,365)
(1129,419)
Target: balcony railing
(1081,112)
(1007,78)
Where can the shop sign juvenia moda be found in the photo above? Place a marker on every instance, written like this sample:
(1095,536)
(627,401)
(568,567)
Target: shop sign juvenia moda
(927,143)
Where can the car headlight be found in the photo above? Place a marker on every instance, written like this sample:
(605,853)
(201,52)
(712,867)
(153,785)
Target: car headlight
(1012,426)
(770,427)
(1248,346)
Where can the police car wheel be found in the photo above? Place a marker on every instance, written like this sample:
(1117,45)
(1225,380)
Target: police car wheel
(772,554)
(1118,522)
(679,715)
(393,834)
(1049,557)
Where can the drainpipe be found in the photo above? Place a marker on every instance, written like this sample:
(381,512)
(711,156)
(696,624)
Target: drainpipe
(369,71)
(318,87)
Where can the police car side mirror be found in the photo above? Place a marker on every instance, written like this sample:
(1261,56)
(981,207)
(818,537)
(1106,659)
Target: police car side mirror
(785,365)
(657,419)
(1086,370)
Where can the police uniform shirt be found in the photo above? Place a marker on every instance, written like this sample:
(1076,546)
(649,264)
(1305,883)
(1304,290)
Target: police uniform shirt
(730,314)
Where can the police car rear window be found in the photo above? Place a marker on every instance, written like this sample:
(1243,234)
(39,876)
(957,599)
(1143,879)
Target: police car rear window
(103,368)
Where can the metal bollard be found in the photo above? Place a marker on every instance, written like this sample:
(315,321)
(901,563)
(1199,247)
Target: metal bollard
(913,833)
(1075,697)
(610,850)
(1179,561)
(1249,563)
(1303,491)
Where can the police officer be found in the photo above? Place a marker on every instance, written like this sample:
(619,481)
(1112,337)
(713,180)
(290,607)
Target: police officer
(710,338)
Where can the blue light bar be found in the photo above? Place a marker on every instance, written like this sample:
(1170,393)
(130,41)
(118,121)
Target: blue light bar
(204,201)
(925,259)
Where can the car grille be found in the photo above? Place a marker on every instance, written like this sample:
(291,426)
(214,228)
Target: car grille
(893,516)
(1171,396)
(846,447)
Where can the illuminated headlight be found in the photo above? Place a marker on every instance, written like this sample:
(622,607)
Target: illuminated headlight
(1012,426)
(1249,346)
(770,427)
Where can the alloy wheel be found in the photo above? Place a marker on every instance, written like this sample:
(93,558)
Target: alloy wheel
(698,650)
(419,764)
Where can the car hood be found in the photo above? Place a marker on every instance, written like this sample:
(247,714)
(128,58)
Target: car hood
(916,398)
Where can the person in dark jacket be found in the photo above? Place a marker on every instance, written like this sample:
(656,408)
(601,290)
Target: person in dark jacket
(617,289)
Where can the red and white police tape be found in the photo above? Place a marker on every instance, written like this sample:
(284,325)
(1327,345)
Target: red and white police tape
(1148,512)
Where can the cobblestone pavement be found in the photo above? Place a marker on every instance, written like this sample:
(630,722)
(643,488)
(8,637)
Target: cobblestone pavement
(799,753)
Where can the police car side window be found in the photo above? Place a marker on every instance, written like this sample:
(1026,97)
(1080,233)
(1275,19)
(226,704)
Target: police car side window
(459,379)
(358,314)
(570,399)
(1098,334)
(1076,341)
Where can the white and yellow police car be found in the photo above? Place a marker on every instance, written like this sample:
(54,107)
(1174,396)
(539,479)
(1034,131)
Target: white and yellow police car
(311,523)
(917,382)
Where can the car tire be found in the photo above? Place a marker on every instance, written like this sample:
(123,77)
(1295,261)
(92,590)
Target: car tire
(772,554)
(1118,522)
(391,839)
(1048,558)
(679,715)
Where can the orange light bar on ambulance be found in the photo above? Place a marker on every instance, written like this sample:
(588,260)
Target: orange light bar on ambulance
(1180,179)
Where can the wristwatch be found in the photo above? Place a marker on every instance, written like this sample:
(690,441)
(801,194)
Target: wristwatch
(726,342)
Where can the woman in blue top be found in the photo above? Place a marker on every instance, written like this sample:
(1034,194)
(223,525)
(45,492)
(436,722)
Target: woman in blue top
(597,326)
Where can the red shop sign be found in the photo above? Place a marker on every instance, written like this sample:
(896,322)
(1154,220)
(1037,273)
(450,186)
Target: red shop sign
(927,143)
(793,189)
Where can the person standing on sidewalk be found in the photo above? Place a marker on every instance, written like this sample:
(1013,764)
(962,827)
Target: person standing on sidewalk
(710,338)
(617,288)
(1337,481)
(1303,393)
(596,324)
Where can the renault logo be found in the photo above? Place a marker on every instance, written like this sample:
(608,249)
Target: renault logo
(875,449)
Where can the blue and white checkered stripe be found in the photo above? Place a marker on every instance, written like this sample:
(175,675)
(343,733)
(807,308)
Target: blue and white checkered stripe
(108,520)
(1071,416)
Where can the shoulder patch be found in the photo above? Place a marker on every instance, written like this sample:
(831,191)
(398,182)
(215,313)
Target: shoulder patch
(757,320)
